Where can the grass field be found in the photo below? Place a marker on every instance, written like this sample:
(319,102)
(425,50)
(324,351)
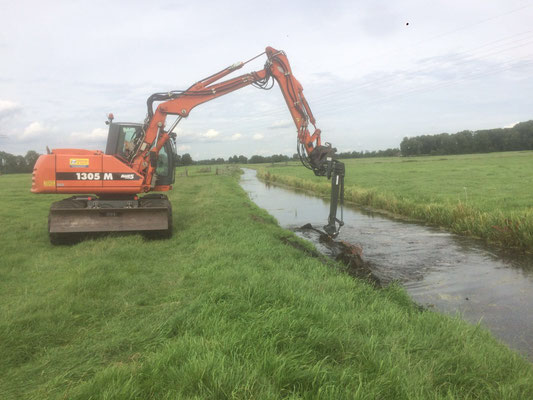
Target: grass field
(483,195)
(227,308)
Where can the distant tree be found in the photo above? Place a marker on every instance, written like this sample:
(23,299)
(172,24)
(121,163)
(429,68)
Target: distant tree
(389,153)
(409,146)
(448,143)
(186,159)
(482,142)
(279,158)
(465,142)
(9,164)
(3,164)
(255,159)
(20,164)
(31,158)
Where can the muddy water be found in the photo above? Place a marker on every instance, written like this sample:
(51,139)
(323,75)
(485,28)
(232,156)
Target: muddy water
(439,270)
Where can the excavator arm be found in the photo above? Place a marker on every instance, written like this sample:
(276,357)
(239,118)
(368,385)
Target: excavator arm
(313,155)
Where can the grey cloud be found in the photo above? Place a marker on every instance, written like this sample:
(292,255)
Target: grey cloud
(379,20)
(280,125)
(9,109)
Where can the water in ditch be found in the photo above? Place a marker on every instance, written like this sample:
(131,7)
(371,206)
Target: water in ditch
(440,270)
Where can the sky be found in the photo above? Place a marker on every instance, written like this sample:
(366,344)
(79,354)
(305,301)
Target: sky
(373,71)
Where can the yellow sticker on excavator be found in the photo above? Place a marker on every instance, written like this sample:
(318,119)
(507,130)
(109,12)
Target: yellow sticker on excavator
(79,162)
(49,183)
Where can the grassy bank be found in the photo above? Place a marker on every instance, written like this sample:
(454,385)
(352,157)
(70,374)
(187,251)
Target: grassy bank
(227,308)
(482,195)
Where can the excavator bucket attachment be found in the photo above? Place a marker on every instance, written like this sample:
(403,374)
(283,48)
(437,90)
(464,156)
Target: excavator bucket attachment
(336,171)
(71,218)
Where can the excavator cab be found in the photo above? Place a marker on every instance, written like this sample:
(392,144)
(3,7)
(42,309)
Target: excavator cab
(122,140)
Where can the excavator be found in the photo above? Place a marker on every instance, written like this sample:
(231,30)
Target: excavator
(140,158)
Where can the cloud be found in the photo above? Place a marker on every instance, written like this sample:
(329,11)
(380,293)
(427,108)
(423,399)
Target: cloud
(379,21)
(8,108)
(97,135)
(284,123)
(210,134)
(326,78)
(184,147)
(34,130)
(258,136)
(183,133)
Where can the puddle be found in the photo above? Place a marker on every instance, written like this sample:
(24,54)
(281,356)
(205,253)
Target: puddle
(441,270)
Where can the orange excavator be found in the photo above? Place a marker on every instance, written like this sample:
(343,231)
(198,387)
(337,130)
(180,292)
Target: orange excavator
(139,158)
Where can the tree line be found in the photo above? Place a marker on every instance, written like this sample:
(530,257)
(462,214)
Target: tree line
(367,154)
(12,164)
(277,158)
(255,159)
(519,137)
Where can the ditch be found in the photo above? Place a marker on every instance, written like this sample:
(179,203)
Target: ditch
(439,270)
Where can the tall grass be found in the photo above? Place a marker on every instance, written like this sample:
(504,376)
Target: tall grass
(226,308)
(498,208)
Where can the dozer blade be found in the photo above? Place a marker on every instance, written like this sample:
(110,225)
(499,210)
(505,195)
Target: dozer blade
(82,220)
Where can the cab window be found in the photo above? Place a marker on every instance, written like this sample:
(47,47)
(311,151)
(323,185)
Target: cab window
(162,168)
(126,136)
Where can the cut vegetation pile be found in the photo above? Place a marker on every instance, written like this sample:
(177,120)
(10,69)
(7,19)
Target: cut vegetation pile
(482,195)
(227,308)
